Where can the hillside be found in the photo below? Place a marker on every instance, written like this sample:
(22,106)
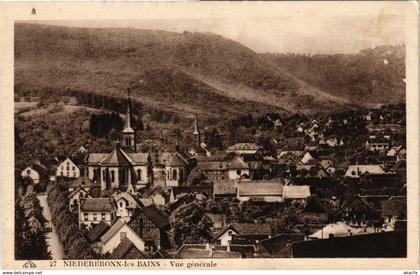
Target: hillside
(185,73)
(373,76)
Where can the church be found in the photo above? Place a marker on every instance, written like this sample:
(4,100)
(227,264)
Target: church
(124,166)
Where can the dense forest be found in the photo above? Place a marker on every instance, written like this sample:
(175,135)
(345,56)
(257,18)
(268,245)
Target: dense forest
(374,75)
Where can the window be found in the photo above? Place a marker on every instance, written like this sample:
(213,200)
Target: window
(103,216)
(68,168)
(122,235)
(85,216)
(229,233)
(73,168)
(112,176)
(174,175)
(121,204)
(62,174)
(95,216)
(28,172)
(139,174)
(62,168)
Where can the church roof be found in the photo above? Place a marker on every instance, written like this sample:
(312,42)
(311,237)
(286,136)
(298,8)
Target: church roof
(96,157)
(117,157)
(139,157)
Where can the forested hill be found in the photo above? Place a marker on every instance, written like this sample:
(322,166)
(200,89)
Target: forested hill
(183,73)
(373,75)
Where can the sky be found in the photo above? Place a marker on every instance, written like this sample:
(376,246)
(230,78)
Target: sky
(317,34)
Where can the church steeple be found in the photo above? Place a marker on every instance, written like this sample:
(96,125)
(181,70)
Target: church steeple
(128,134)
(196,132)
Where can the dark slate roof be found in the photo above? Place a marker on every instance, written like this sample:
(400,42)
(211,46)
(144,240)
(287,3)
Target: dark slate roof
(96,204)
(97,232)
(84,182)
(276,244)
(394,207)
(157,217)
(127,250)
(314,205)
(378,245)
(354,204)
(248,229)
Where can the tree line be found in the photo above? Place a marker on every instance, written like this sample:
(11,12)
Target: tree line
(30,243)
(75,244)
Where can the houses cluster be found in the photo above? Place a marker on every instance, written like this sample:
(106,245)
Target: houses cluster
(122,197)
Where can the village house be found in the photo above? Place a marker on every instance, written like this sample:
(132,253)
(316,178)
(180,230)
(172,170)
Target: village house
(35,172)
(94,210)
(267,191)
(218,218)
(238,169)
(150,224)
(296,193)
(242,149)
(355,171)
(116,234)
(279,246)
(213,170)
(127,250)
(125,205)
(75,197)
(94,235)
(67,169)
(224,189)
(378,144)
(247,233)
(394,210)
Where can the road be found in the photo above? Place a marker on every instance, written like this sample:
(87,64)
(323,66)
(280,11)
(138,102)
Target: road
(54,244)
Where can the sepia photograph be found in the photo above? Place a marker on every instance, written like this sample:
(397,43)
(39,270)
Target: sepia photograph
(267,136)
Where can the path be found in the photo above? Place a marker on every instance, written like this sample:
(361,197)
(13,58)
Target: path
(54,244)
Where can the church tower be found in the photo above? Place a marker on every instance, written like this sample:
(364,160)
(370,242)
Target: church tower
(128,134)
(196,133)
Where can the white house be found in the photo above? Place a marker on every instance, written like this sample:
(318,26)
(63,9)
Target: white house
(31,173)
(355,171)
(94,210)
(67,169)
(116,234)
(125,205)
(237,169)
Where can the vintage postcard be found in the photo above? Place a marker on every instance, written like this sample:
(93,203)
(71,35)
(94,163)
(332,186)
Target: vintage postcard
(217,135)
